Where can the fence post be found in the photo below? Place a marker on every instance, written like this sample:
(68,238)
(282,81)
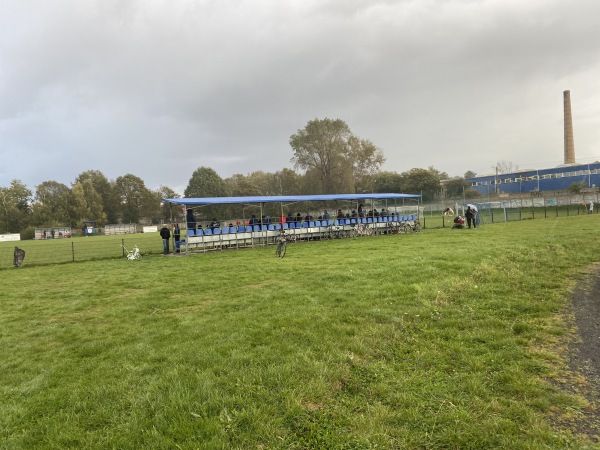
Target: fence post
(123,246)
(73,250)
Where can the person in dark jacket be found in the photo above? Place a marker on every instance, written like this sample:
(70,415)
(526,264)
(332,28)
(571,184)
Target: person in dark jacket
(470,216)
(165,234)
(191,220)
(176,237)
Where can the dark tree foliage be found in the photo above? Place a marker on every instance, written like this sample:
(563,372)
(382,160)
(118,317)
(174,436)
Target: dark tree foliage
(205,182)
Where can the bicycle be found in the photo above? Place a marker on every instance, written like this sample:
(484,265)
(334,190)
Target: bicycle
(412,226)
(363,230)
(133,254)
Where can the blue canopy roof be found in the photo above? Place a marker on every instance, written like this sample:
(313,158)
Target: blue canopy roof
(285,198)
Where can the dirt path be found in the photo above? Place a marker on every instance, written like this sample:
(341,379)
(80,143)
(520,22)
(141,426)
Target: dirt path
(584,353)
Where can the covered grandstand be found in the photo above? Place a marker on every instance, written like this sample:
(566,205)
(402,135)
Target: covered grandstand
(244,234)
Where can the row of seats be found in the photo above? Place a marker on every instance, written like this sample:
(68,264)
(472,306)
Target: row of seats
(293,225)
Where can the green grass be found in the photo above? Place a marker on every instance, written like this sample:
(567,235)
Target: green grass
(76,249)
(442,339)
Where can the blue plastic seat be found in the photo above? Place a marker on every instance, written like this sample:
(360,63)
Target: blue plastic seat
(232,230)
(241,229)
(285,225)
(208,232)
(216,231)
(191,233)
(199,232)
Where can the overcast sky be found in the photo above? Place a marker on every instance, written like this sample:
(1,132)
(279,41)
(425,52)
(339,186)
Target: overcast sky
(158,88)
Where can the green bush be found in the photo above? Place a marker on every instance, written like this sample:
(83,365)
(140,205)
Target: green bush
(28,233)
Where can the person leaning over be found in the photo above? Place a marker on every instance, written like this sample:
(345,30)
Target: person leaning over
(165,234)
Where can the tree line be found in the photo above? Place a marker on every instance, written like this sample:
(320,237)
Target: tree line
(327,159)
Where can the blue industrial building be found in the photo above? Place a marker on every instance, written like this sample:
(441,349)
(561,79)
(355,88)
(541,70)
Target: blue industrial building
(522,181)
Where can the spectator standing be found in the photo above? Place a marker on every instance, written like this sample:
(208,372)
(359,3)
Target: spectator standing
(591,207)
(165,234)
(191,220)
(176,237)
(470,215)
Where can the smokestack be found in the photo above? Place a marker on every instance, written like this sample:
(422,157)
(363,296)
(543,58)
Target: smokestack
(569,143)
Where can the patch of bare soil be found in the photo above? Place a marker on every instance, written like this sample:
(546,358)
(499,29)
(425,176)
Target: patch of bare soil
(584,352)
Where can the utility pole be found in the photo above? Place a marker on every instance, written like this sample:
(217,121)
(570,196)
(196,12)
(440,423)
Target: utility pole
(496,180)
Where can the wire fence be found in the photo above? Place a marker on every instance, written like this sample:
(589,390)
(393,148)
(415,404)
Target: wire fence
(59,251)
(434,218)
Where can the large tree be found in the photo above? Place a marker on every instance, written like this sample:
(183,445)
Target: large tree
(366,160)
(287,182)
(52,204)
(105,189)
(87,204)
(136,200)
(15,210)
(455,187)
(421,181)
(242,185)
(168,212)
(322,147)
(387,182)
(205,182)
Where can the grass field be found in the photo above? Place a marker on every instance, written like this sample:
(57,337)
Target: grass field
(441,339)
(77,249)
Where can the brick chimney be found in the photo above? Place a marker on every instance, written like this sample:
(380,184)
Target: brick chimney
(569,143)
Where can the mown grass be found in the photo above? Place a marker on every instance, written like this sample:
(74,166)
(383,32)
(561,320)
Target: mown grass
(442,339)
(76,249)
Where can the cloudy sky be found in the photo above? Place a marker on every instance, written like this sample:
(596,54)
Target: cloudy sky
(158,88)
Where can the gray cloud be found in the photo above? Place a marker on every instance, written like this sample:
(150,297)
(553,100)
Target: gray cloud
(159,88)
